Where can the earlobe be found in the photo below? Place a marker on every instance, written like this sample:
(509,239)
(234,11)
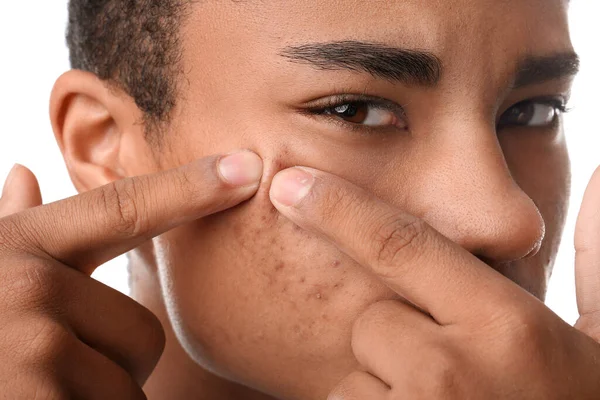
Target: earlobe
(90,120)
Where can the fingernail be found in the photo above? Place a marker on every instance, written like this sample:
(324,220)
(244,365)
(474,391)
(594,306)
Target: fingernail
(292,185)
(241,169)
(11,175)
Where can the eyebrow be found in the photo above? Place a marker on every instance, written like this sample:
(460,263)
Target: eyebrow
(391,63)
(537,70)
(416,66)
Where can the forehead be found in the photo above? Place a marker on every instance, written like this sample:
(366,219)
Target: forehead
(431,24)
(462,33)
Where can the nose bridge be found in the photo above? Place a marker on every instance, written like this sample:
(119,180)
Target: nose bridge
(469,195)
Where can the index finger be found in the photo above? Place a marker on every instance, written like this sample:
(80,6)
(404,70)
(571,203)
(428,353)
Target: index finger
(410,257)
(87,230)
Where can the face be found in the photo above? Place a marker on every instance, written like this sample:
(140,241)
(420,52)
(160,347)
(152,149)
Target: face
(445,109)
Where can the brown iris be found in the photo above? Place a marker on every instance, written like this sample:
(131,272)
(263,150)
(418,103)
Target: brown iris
(352,112)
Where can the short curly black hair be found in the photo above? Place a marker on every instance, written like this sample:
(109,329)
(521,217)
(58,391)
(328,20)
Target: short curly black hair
(133,44)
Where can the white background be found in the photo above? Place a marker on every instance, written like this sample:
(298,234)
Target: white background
(33,55)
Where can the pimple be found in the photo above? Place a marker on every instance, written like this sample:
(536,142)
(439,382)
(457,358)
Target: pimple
(278,164)
(279,266)
(318,292)
(314,296)
(336,263)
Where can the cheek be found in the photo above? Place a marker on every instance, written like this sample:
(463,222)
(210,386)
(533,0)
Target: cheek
(249,293)
(248,285)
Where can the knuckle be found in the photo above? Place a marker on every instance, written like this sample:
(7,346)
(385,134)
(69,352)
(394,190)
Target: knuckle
(373,323)
(32,382)
(47,342)
(395,242)
(524,337)
(526,328)
(43,344)
(48,389)
(118,200)
(13,234)
(374,317)
(442,375)
(524,324)
(31,283)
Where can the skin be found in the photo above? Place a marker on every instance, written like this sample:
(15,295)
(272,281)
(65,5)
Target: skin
(299,301)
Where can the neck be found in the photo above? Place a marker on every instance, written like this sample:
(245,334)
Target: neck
(177,376)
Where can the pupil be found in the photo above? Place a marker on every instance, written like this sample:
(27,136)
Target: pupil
(347,110)
(525,113)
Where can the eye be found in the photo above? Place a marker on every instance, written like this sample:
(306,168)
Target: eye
(533,113)
(363,113)
(370,112)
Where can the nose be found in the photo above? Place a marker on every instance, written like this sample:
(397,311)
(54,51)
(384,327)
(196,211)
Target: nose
(469,195)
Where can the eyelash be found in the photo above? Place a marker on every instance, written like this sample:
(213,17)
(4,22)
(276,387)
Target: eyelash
(323,106)
(558,103)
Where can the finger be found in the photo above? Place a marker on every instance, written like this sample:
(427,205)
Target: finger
(89,229)
(90,375)
(360,386)
(52,362)
(21,191)
(388,335)
(414,260)
(121,329)
(587,250)
(103,318)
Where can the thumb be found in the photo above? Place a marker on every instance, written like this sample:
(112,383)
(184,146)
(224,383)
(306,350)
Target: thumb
(587,260)
(21,191)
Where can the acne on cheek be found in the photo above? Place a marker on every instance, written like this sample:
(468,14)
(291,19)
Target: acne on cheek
(294,265)
(278,276)
(316,303)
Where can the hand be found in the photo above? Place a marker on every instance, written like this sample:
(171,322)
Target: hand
(465,331)
(64,335)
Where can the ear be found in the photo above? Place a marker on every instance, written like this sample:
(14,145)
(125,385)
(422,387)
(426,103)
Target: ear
(98,129)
